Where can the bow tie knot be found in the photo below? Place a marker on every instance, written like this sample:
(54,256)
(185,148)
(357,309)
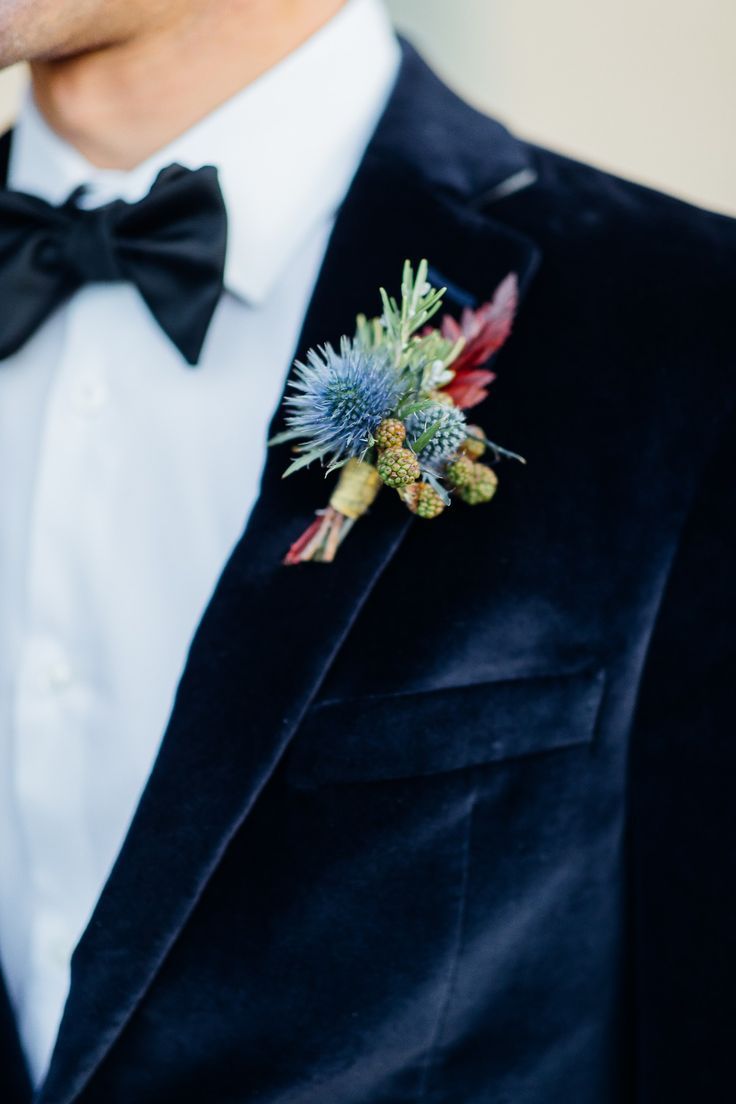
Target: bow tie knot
(170,244)
(84,247)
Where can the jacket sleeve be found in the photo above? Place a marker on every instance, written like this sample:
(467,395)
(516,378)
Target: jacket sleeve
(683,812)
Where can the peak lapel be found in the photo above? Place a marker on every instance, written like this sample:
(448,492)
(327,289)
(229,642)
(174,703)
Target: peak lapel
(5,140)
(15,1083)
(270,633)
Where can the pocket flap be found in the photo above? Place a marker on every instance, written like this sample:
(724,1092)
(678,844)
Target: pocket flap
(414,734)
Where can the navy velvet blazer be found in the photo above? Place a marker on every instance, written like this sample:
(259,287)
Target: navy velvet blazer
(451,821)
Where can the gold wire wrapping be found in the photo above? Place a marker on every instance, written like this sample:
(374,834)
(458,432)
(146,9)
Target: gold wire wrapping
(356,489)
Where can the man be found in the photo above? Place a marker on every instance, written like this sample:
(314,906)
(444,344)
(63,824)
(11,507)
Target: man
(447,820)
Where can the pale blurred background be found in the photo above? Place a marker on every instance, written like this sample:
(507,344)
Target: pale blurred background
(645,88)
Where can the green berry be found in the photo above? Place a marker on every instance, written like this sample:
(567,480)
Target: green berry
(460,471)
(391,433)
(474,444)
(482,485)
(423,500)
(398,467)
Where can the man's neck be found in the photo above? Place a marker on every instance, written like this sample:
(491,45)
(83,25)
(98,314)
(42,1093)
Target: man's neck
(118,104)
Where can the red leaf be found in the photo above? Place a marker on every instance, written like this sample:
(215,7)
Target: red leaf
(469,387)
(485,329)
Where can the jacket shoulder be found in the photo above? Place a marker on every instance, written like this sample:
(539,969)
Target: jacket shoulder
(580,201)
(470,155)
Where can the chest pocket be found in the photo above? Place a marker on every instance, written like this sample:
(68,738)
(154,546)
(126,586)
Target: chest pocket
(435,731)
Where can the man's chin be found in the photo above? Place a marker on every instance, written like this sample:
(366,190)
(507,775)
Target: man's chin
(30,31)
(17,47)
(9,56)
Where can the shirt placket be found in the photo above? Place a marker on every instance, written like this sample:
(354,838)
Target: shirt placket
(55,705)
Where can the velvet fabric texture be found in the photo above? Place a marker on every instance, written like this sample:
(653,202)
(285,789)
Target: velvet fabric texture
(451,820)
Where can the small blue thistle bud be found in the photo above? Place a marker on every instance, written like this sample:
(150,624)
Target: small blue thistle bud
(449,437)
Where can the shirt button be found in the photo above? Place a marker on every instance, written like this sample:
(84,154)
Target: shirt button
(58,952)
(59,675)
(90,396)
(52,942)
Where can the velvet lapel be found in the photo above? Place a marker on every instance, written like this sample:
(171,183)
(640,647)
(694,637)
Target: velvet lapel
(5,140)
(270,633)
(15,1085)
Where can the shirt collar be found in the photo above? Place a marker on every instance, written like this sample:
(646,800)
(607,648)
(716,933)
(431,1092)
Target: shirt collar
(286,147)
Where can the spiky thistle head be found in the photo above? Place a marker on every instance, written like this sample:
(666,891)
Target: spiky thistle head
(450,433)
(338,399)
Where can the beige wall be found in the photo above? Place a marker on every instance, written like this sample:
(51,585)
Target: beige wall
(646,88)
(11,85)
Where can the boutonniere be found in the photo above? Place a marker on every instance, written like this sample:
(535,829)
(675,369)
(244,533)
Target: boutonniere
(387,409)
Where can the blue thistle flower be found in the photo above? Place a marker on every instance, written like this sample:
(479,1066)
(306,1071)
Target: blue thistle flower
(338,399)
(449,436)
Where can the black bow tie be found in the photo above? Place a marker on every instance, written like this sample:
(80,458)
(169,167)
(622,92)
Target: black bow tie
(171,245)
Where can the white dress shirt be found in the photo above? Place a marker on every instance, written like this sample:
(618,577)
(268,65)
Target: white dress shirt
(128,476)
